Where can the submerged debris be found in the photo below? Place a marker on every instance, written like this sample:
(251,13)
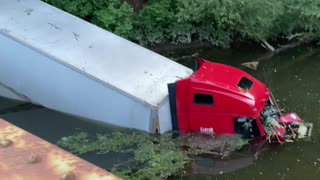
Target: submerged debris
(252,65)
(151,156)
(282,128)
(218,145)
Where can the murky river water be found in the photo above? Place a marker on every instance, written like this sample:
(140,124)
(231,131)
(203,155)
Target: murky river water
(293,77)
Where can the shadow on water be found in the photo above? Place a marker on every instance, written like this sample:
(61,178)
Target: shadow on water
(51,126)
(294,79)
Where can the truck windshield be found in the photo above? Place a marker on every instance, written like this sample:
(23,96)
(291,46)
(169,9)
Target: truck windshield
(245,83)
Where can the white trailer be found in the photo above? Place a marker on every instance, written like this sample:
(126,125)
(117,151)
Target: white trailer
(59,61)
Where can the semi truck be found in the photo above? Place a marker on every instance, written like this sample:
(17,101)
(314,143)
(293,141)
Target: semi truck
(56,60)
(224,100)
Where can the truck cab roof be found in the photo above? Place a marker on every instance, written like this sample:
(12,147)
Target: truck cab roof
(227,79)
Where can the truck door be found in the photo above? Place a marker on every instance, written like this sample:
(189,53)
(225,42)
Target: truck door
(198,110)
(201,111)
(205,113)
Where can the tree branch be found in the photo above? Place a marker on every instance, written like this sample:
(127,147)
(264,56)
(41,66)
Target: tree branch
(268,46)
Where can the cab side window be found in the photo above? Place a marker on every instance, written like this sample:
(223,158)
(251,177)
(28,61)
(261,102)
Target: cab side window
(203,99)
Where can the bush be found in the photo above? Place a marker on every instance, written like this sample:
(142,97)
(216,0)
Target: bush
(219,22)
(298,16)
(116,20)
(111,15)
(152,23)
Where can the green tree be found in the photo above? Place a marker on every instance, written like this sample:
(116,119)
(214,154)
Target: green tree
(151,25)
(111,15)
(219,22)
(117,20)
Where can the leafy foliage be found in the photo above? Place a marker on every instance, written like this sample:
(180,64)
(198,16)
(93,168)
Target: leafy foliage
(299,16)
(116,20)
(222,22)
(153,22)
(219,22)
(152,157)
(111,15)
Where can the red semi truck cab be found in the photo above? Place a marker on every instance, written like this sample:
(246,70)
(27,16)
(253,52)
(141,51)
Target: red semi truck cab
(220,99)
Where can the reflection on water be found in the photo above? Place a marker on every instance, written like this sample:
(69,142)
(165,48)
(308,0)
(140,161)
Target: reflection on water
(215,166)
(293,77)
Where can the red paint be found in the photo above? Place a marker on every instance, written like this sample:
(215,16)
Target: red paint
(229,101)
(220,99)
(290,118)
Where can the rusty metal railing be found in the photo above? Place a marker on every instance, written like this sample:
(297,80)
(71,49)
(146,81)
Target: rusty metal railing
(25,156)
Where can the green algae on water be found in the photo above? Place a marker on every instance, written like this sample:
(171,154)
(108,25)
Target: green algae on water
(151,156)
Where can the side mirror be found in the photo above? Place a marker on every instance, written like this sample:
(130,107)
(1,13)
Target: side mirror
(198,64)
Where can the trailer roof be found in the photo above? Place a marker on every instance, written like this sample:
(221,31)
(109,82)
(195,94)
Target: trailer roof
(101,55)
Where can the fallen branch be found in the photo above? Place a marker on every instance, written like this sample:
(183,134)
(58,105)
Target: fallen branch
(268,46)
(303,38)
(295,35)
(186,57)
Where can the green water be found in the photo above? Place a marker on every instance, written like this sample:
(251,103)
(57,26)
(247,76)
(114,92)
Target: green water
(292,76)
